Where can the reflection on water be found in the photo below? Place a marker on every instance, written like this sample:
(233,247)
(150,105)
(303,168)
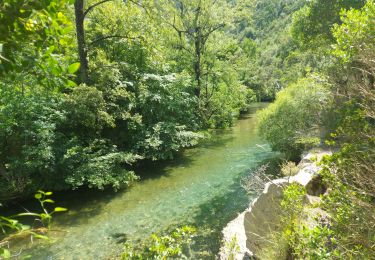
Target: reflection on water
(200,187)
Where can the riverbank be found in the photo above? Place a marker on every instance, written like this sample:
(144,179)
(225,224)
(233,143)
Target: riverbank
(252,229)
(199,188)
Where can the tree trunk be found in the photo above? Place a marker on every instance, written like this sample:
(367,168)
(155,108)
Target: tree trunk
(197,69)
(197,65)
(80,30)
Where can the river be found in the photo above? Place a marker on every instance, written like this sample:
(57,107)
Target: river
(201,187)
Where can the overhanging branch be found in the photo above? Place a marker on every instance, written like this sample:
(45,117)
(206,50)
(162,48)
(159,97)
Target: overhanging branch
(93,6)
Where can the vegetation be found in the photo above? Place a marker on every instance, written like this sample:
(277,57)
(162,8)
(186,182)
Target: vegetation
(12,229)
(342,116)
(174,245)
(294,121)
(90,89)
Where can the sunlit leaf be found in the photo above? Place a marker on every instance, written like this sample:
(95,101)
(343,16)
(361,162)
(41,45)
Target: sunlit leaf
(71,84)
(59,209)
(40,236)
(5,253)
(73,67)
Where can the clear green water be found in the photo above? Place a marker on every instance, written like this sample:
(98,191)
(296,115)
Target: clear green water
(200,187)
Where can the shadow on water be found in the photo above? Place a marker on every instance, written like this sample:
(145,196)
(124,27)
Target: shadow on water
(216,213)
(148,169)
(81,204)
(200,186)
(85,203)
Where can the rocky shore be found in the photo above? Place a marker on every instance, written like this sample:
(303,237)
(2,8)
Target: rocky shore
(252,227)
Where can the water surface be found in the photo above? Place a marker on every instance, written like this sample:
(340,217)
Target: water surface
(200,187)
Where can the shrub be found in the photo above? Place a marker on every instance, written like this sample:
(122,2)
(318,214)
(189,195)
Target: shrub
(293,122)
(161,247)
(289,169)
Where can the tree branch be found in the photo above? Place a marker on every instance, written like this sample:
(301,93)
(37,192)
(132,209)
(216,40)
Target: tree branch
(113,36)
(217,27)
(93,6)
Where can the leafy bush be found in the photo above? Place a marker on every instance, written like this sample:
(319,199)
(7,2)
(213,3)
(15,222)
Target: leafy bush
(162,247)
(97,165)
(232,248)
(28,134)
(289,169)
(294,121)
(349,172)
(169,122)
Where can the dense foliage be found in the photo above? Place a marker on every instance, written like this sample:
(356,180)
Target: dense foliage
(344,33)
(90,88)
(299,112)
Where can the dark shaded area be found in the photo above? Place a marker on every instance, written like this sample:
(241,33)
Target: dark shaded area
(316,186)
(215,214)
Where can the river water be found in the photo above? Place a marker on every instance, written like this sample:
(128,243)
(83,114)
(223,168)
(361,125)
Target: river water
(201,188)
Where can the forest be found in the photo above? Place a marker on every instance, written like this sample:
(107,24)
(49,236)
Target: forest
(90,91)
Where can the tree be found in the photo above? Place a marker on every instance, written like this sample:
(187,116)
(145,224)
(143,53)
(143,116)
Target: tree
(312,25)
(82,48)
(294,122)
(195,22)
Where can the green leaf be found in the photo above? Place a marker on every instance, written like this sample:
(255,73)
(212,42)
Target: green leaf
(48,201)
(49,193)
(40,236)
(73,67)
(27,214)
(25,227)
(71,84)
(59,209)
(38,196)
(5,253)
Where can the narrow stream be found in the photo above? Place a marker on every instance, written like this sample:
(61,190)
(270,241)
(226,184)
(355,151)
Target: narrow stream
(201,188)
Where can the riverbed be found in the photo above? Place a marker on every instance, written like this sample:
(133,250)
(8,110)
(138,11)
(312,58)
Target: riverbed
(201,187)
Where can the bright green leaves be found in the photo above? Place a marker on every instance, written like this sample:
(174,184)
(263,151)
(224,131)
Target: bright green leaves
(73,68)
(356,33)
(312,25)
(36,40)
(98,165)
(46,216)
(161,247)
(5,253)
(59,209)
(12,228)
(296,116)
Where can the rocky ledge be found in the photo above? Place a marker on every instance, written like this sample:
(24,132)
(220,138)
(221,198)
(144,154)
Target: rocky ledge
(246,235)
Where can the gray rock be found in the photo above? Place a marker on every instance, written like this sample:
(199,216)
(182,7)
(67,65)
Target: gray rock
(253,227)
